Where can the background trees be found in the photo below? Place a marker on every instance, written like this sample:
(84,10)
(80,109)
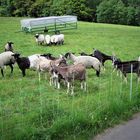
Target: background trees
(106,11)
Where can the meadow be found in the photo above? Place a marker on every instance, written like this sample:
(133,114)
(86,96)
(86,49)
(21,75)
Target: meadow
(33,110)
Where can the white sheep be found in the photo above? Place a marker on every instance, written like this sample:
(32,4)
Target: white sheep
(57,39)
(61,39)
(40,38)
(6,58)
(9,46)
(53,39)
(47,40)
(139,58)
(88,61)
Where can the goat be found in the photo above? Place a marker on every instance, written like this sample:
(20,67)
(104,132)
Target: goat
(102,56)
(70,74)
(88,61)
(128,67)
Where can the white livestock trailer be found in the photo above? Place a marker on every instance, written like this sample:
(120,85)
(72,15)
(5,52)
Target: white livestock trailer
(52,23)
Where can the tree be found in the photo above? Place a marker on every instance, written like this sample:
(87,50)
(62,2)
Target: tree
(111,11)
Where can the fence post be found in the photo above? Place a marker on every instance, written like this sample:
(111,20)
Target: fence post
(131,85)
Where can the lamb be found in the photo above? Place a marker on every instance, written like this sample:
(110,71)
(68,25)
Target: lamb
(128,67)
(47,39)
(70,74)
(6,58)
(9,46)
(88,61)
(40,39)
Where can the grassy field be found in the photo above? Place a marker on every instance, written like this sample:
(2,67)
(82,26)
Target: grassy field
(32,110)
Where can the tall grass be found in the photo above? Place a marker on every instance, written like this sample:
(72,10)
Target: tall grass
(33,110)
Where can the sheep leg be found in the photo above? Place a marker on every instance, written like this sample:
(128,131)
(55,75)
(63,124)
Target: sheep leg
(39,76)
(11,66)
(51,81)
(2,73)
(68,87)
(98,73)
(81,85)
(85,86)
(58,85)
(72,89)
(23,72)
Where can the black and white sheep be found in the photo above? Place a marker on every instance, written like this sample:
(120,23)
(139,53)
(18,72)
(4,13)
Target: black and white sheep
(88,61)
(30,62)
(69,74)
(40,39)
(9,46)
(6,58)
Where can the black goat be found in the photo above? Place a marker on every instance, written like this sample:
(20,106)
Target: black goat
(128,67)
(102,56)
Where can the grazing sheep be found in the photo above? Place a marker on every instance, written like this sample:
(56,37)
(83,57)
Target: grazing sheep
(40,38)
(57,39)
(24,63)
(53,39)
(6,58)
(70,74)
(128,67)
(47,40)
(9,46)
(88,61)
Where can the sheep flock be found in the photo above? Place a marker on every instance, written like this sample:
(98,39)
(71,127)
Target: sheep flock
(59,69)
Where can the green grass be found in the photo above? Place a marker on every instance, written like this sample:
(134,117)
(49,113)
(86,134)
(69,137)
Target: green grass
(33,110)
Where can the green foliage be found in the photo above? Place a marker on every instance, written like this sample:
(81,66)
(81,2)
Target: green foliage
(115,11)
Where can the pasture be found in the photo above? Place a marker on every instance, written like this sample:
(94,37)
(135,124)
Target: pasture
(34,110)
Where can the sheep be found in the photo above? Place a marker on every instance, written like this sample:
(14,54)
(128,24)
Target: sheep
(139,58)
(9,46)
(6,58)
(88,61)
(128,67)
(60,39)
(40,39)
(47,39)
(53,39)
(30,62)
(70,74)
(101,56)
(57,39)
